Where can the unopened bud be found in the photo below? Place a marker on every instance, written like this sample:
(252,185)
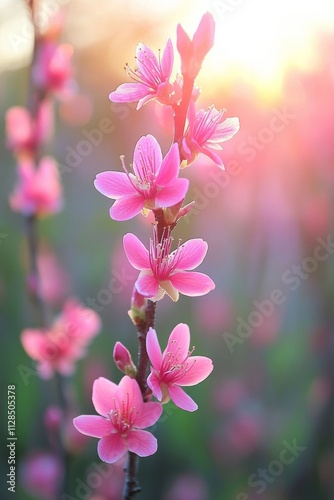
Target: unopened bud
(173,214)
(123,360)
(137,312)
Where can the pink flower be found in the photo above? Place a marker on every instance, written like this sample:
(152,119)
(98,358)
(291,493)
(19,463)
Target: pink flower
(155,182)
(193,51)
(205,132)
(52,70)
(40,474)
(162,272)
(151,77)
(24,133)
(175,367)
(80,323)
(38,191)
(123,416)
(123,360)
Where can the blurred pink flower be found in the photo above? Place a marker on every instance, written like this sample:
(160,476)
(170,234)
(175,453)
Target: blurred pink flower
(175,367)
(80,323)
(193,51)
(52,70)
(123,360)
(162,272)
(54,281)
(155,182)
(188,487)
(40,474)
(38,190)
(206,130)
(123,416)
(151,78)
(25,133)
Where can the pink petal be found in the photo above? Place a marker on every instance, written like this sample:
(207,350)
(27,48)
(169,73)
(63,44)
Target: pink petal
(136,252)
(226,130)
(167,59)
(142,443)
(148,415)
(200,369)
(172,194)
(178,342)
(93,425)
(191,254)
(204,36)
(127,207)
(147,285)
(111,448)
(181,399)
(114,184)
(211,154)
(170,166)
(154,384)
(184,44)
(104,393)
(191,283)
(147,63)
(147,156)
(129,391)
(153,349)
(129,92)
(33,342)
(146,99)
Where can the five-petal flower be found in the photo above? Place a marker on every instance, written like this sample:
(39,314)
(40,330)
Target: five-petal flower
(175,367)
(123,415)
(154,184)
(162,271)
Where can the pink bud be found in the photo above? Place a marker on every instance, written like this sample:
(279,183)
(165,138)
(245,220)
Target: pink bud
(52,418)
(123,360)
(137,312)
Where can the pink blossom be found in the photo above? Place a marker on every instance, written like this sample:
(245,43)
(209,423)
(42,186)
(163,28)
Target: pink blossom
(123,416)
(40,474)
(53,279)
(151,78)
(193,51)
(154,184)
(206,130)
(38,191)
(175,367)
(80,323)
(52,70)
(25,133)
(163,272)
(123,360)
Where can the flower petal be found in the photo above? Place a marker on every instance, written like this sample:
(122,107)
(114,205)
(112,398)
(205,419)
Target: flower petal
(226,129)
(127,207)
(148,415)
(191,283)
(170,166)
(181,399)
(111,448)
(136,252)
(191,254)
(154,384)
(142,443)
(167,60)
(153,349)
(93,425)
(147,156)
(114,184)
(129,92)
(33,342)
(128,389)
(147,285)
(200,368)
(104,393)
(178,342)
(172,194)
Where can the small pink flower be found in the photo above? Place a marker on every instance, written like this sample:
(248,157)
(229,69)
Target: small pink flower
(52,70)
(151,78)
(154,184)
(38,191)
(193,51)
(123,416)
(175,367)
(163,272)
(205,132)
(80,323)
(123,360)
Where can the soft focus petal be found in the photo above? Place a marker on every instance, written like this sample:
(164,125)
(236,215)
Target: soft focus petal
(33,342)
(127,207)
(104,392)
(170,166)
(181,399)
(142,443)
(153,349)
(191,254)
(226,130)
(172,194)
(213,155)
(147,285)
(154,384)
(147,155)
(129,92)
(114,184)
(204,36)
(136,252)
(167,59)
(111,448)
(93,425)
(149,414)
(192,284)
(178,342)
(200,369)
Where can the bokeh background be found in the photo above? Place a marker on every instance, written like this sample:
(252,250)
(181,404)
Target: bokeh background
(264,218)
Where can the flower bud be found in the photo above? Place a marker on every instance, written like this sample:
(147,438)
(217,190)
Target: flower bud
(123,360)
(137,312)
(173,214)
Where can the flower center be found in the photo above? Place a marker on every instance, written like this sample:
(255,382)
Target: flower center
(162,262)
(123,418)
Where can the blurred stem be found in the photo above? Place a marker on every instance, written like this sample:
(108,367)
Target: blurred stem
(180,112)
(34,285)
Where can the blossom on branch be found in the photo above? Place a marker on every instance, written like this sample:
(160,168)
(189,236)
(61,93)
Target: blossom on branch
(154,183)
(52,71)
(123,415)
(164,272)
(175,367)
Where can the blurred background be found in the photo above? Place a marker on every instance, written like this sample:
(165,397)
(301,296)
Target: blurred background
(265,424)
